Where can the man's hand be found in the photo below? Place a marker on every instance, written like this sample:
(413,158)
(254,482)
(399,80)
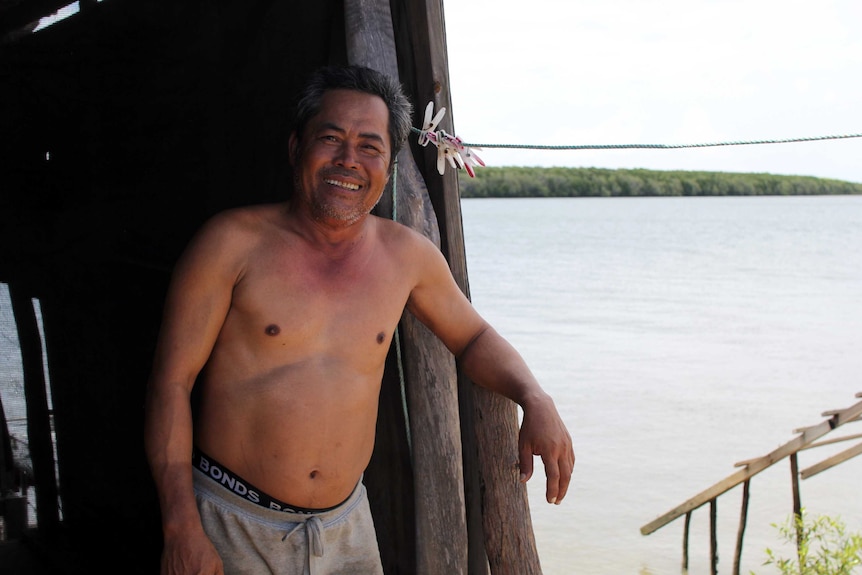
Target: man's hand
(190,554)
(543,433)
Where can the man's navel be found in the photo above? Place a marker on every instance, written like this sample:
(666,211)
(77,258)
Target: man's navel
(272,330)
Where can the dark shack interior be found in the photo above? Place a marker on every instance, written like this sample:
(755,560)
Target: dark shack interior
(124,127)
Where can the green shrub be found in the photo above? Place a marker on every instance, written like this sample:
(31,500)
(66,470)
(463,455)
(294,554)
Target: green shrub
(825,547)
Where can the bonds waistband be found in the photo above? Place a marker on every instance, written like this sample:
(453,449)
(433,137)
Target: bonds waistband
(233,482)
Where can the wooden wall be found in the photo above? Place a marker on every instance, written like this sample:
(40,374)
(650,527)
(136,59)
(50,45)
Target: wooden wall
(124,128)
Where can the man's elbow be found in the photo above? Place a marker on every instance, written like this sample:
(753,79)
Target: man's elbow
(472,344)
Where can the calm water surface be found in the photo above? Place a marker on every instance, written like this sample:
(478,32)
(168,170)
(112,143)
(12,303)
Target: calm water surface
(678,336)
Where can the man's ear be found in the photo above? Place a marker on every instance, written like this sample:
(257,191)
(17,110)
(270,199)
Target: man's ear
(292,148)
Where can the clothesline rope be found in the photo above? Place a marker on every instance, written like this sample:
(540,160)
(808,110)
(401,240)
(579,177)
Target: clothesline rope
(654,146)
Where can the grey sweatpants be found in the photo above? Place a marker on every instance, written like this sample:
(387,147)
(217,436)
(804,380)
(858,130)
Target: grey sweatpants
(254,540)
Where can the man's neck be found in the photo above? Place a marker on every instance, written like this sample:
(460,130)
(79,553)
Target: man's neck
(333,238)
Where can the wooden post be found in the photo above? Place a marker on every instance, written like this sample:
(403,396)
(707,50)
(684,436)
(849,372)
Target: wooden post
(490,421)
(429,368)
(713,536)
(38,416)
(743,519)
(421,43)
(685,533)
(797,503)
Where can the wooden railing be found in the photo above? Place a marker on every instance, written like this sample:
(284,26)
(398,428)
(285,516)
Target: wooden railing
(807,439)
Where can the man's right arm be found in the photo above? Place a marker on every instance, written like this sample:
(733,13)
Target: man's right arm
(195,309)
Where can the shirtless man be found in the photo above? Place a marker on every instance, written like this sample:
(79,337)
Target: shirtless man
(287,312)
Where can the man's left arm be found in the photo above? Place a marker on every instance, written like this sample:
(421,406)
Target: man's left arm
(491,361)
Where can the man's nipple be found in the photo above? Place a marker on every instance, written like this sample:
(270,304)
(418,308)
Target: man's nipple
(381,337)
(272,330)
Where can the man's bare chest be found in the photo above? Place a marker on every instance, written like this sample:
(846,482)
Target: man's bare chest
(348,307)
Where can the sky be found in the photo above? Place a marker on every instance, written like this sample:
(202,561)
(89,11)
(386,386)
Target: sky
(576,72)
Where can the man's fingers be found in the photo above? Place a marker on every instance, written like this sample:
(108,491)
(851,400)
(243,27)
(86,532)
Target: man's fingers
(566,467)
(552,487)
(525,456)
(558,471)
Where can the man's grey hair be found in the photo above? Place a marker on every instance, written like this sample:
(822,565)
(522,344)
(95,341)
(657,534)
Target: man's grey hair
(363,80)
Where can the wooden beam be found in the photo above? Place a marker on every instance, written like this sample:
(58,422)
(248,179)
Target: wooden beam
(831,461)
(831,412)
(745,462)
(490,421)
(831,441)
(808,436)
(432,392)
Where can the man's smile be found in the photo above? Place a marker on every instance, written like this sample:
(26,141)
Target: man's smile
(341,184)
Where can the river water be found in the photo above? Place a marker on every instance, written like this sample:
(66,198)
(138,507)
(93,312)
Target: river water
(678,336)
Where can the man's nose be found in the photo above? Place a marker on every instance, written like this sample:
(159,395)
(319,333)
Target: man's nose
(346,156)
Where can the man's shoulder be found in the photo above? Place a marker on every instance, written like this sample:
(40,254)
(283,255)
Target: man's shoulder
(410,249)
(231,234)
(397,234)
(246,222)
(247,216)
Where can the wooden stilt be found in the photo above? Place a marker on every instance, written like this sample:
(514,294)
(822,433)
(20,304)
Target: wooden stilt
(685,534)
(740,534)
(797,503)
(713,536)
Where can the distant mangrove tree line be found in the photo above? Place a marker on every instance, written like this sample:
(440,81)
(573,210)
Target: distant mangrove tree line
(518,182)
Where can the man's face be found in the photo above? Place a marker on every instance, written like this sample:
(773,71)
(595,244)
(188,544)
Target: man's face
(342,160)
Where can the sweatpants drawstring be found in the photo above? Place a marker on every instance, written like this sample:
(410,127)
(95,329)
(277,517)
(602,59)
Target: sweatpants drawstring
(314,534)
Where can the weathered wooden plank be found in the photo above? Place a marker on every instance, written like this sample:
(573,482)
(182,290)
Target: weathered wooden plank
(430,372)
(423,66)
(808,436)
(508,534)
(831,461)
(832,441)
